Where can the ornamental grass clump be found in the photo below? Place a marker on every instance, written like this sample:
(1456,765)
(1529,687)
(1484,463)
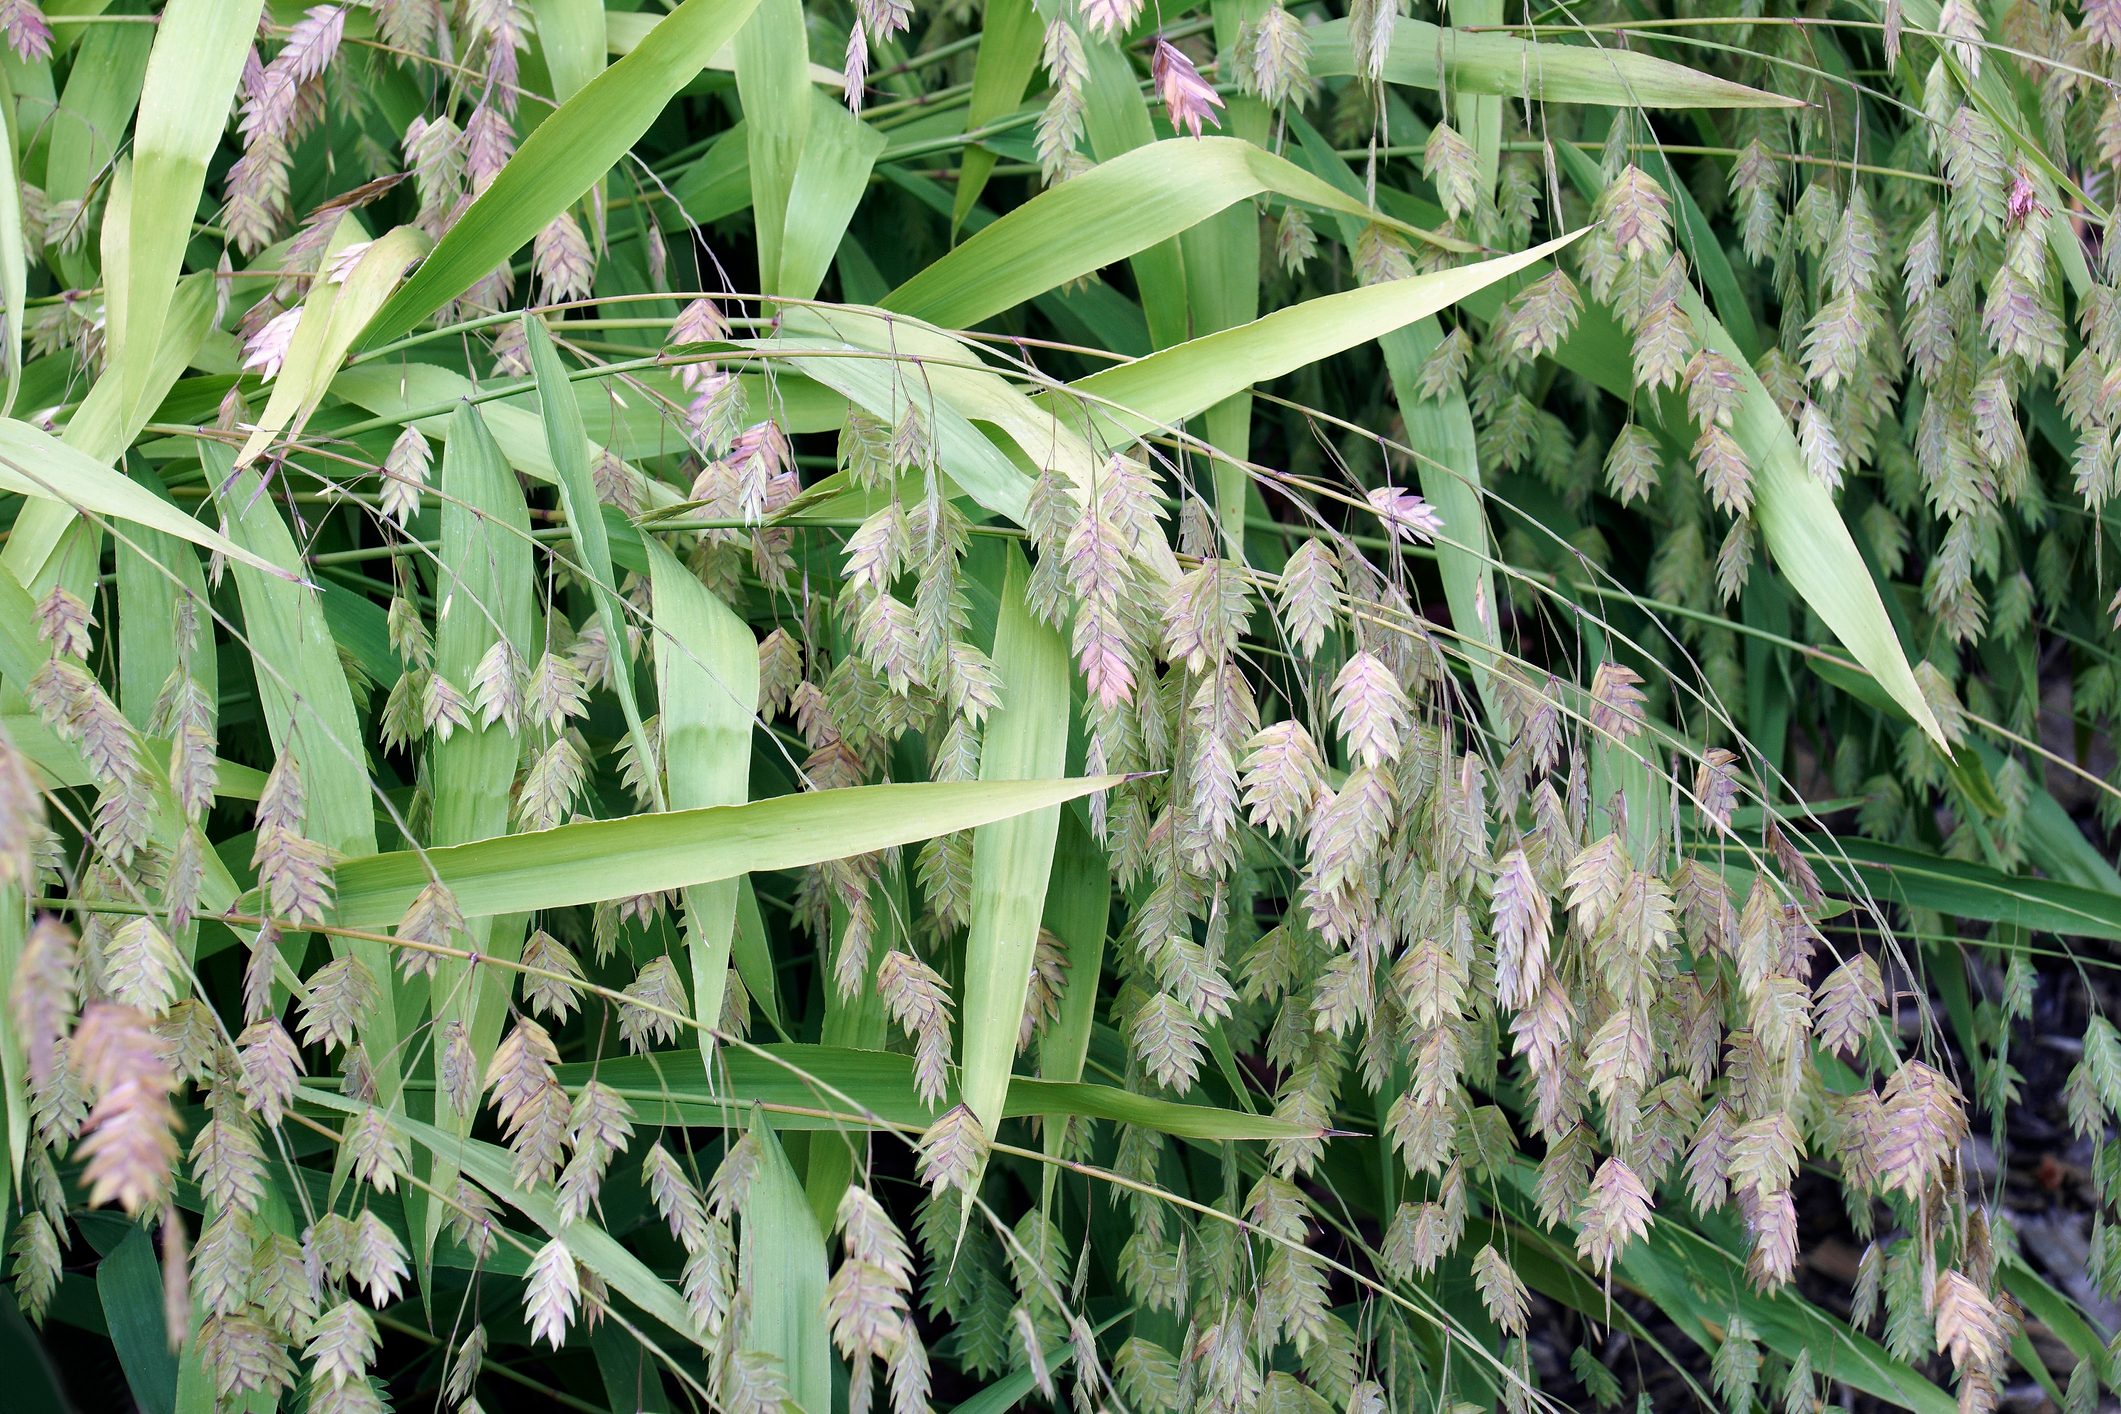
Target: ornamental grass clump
(748,705)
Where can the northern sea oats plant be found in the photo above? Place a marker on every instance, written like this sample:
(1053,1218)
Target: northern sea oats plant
(746,705)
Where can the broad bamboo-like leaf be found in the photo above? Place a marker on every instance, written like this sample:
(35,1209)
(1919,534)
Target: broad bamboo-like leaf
(129,1283)
(839,153)
(1078,912)
(1253,398)
(155,573)
(1119,207)
(563,158)
(424,396)
(103,88)
(1222,257)
(14,255)
(1026,739)
(302,685)
(772,63)
(1804,531)
(1673,1265)
(485,594)
(1173,384)
(102,427)
(36,464)
(782,1236)
(14,1063)
(1116,121)
(490,1167)
(184,101)
(807,1087)
(1544,70)
(947,372)
(1441,430)
(591,860)
(707,688)
(572,34)
(1008,54)
(568,443)
(335,312)
(981,470)
(309,712)
(105,423)
(1917,878)
(1480,114)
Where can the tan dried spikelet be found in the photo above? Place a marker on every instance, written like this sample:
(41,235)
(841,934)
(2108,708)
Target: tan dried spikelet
(1613,1212)
(376,1260)
(1522,925)
(675,1197)
(551,1293)
(521,1067)
(44,992)
(1048,984)
(130,1148)
(1847,1005)
(655,1002)
(1772,1220)
(1501,1291)
(1617,701)
(1310,598)
(228,1163)
(269,1067)
(1969,1325)
(1924,1122)
(952,1152)
(376,1151)
(554,987)
(1716,786)
(919,1001)
(598,1128)
(431,920)
(342,993)
(866,1299)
